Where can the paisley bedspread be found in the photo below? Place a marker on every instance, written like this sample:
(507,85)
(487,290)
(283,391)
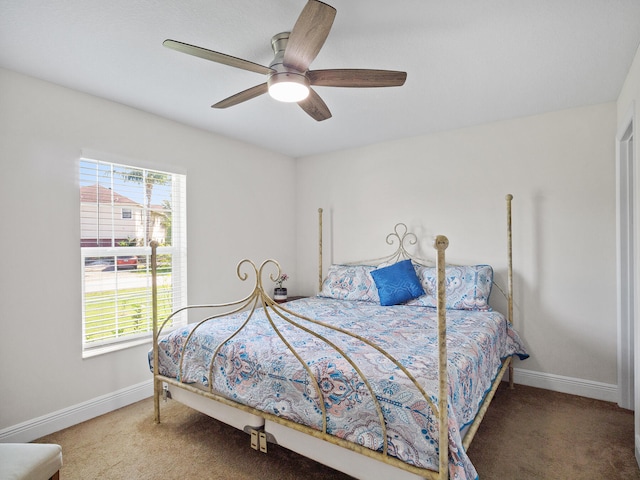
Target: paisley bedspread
(256,368)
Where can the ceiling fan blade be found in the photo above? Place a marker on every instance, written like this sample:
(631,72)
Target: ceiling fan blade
(243,96)
(216,57)
(352,77)
(308,35)
(315,106)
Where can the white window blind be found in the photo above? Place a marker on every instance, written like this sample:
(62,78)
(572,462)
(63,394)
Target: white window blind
(122,209)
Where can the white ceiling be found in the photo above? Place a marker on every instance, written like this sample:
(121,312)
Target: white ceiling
(468,61)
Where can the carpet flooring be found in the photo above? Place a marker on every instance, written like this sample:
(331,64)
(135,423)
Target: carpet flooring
(528,433)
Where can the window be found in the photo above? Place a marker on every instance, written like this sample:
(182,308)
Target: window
(122,209)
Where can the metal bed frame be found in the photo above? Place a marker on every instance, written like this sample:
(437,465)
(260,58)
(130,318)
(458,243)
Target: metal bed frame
(265,427)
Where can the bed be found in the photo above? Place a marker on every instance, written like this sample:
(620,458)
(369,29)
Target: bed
(391,359)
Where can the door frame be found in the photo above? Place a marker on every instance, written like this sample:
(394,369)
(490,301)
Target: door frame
(627,279)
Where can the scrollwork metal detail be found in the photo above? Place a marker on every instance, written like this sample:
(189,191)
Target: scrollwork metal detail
(404,239)
(402,233)
(259,272)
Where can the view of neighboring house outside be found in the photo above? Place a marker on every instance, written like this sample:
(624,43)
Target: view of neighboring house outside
(127,222)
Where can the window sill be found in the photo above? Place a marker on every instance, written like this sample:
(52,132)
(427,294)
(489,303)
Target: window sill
(96,351)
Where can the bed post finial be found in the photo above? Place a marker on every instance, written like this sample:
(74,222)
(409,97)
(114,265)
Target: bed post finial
(319,249)
(441,243)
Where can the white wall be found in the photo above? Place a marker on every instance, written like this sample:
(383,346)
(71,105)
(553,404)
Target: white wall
(559,166)
(43,129)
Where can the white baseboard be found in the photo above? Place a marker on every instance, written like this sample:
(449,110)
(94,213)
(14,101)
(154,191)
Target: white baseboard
(637,449)
(574,386)
(53,422)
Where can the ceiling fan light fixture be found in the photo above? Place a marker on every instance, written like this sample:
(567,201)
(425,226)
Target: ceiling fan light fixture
(288,87)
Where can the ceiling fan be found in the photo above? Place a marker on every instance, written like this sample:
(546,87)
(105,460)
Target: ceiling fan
(288,76)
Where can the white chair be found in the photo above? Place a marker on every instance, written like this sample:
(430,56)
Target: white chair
(30,461)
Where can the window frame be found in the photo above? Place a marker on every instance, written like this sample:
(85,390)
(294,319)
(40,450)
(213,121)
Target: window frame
(176,250)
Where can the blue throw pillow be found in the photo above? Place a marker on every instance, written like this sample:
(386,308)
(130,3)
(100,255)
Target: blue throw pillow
(397,283)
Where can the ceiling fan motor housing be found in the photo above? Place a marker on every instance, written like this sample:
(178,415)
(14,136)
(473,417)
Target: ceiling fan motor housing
(285,83)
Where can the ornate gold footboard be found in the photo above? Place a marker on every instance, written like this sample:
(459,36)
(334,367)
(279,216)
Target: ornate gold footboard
(278,315)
